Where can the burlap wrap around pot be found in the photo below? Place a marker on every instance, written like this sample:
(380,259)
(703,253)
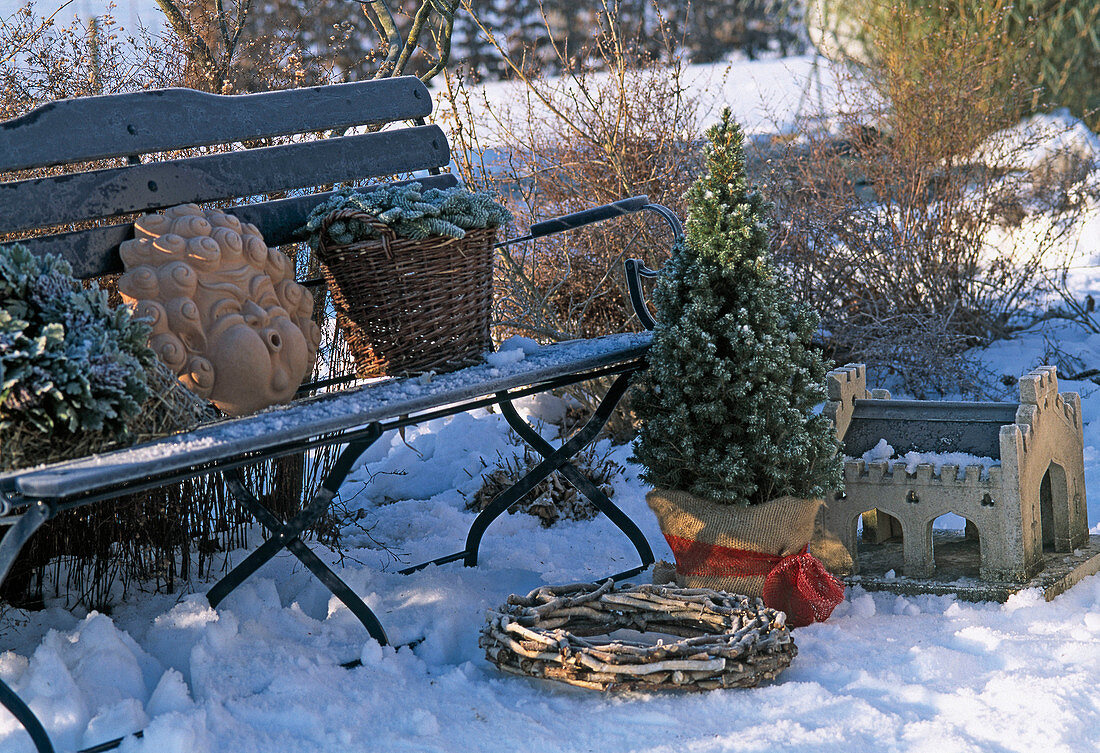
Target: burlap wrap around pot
(756,550)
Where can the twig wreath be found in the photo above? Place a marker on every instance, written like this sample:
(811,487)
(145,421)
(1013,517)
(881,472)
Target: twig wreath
(724,640)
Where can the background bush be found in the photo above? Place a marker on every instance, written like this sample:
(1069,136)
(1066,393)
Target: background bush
(1059,39)
(887,220)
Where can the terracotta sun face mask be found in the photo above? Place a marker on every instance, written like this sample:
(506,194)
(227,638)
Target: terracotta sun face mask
(227,316)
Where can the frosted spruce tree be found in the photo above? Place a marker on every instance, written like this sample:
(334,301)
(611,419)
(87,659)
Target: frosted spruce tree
(728,406)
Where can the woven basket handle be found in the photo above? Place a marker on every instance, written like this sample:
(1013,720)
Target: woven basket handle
(340,215)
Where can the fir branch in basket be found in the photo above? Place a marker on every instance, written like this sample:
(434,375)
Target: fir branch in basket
(411,211)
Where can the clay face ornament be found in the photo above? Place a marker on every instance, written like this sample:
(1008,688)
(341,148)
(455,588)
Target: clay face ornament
(227,316)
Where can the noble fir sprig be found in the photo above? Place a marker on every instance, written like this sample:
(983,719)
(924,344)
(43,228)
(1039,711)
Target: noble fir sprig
(411,211)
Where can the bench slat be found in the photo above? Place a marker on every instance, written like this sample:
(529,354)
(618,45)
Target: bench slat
(119,125)
(94,252)
(43,202)
(321,415)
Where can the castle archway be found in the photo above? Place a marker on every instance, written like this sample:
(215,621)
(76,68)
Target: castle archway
(1054,517)
(956,547)
(880,542)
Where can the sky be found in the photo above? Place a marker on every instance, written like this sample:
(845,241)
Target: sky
(129,13)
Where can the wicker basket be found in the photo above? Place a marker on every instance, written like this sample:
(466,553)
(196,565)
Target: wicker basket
(410,306)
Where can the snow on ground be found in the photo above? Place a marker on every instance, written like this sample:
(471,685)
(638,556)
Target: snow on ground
(764,96)
(262,672)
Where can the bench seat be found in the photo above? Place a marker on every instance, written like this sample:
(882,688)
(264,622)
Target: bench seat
(331,414)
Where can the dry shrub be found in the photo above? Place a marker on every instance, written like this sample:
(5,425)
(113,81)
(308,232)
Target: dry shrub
(888,229)
(553,498)
(154,537)
(1067,38)
(44,60)
(594,135)
(616,125)
(217,54)
(259,45)
(1060,36)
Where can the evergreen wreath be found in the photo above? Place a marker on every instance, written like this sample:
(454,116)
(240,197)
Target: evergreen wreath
(728,402)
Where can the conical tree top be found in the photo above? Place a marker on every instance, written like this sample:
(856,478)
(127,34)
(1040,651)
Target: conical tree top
(727,220)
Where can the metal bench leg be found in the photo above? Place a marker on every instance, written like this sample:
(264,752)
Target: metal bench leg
(585,486)
(26,717)
(20,533)
(553,460)
(285,536)
(10,545)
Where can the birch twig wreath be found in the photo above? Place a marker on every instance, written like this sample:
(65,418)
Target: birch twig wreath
(720,640)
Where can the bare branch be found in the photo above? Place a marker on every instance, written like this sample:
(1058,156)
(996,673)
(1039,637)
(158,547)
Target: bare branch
(222,25)
(36,33)
(388,25)
(242,16)
(412,41)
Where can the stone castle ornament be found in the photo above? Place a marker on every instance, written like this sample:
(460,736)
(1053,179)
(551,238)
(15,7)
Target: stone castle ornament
(1030,500)
(227,317)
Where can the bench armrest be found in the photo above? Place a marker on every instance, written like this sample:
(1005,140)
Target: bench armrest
(588,216)
(635,268)
(598,214)
(635,271)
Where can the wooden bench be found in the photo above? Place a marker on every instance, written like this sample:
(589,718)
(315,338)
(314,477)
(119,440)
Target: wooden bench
(136,130)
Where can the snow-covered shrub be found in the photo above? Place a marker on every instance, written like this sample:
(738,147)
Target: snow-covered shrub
(728,402)
(69,363)
(411,211)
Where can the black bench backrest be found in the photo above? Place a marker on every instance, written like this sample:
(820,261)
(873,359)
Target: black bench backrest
(141,126)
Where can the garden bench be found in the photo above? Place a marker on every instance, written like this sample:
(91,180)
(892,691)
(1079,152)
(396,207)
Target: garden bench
(143,129)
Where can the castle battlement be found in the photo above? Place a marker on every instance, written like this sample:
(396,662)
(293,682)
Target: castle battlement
(896,472)
(849,379)
(843,387)
(1039,385)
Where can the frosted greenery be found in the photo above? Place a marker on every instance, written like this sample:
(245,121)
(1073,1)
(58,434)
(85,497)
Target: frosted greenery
(411,211)
(728,405)
(68,361)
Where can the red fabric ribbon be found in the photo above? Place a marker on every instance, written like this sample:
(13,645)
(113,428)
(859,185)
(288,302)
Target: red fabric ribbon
(797,584)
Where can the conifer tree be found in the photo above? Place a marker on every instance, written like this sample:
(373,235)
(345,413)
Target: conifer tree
(728,405)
